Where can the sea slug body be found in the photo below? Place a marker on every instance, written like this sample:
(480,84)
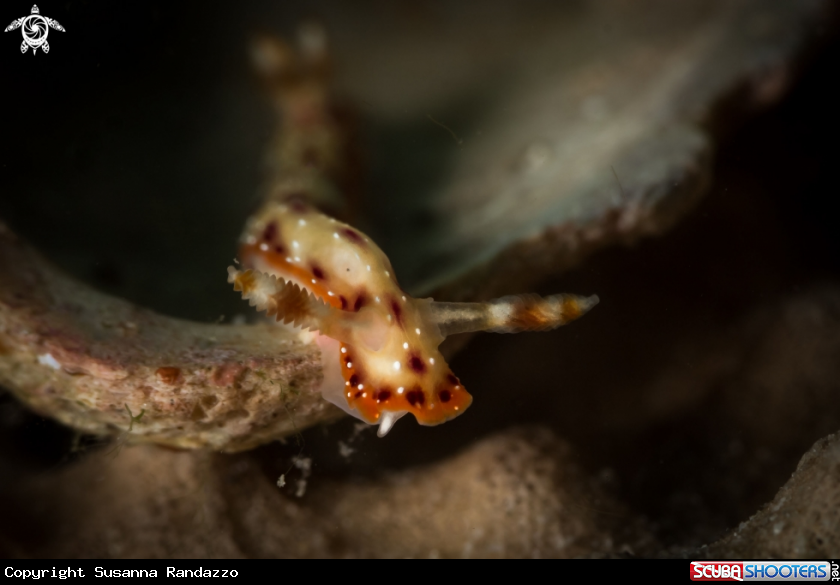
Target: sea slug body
(315,272)
(390,363)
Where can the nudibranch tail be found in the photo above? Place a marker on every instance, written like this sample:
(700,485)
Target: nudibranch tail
(510,314)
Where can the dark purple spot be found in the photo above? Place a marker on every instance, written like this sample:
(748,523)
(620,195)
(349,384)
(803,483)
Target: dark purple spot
(270,232)
(317,272)
(354,236)
(383,395)
(343,302)
(361,301)
(358,394)
(397,310)
(416,397)
(445,396)
(279,249)
(347,359)
(416,364)
(354,380)
(452,379)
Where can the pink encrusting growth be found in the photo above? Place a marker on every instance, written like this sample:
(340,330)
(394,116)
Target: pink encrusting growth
(379,345)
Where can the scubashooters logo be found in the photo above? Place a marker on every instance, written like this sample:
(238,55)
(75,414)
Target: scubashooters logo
(762,571)
(35,29)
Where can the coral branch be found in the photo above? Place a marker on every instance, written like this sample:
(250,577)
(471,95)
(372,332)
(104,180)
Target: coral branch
(85,358)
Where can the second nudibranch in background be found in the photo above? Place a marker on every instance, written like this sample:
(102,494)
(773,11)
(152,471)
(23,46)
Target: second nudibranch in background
(379,345)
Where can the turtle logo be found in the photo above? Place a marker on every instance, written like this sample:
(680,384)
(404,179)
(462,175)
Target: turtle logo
(35,29)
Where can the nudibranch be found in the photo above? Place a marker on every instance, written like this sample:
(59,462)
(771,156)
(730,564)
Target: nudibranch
(379,345)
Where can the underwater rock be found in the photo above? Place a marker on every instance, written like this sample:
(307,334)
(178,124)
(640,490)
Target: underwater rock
(515,494)
(802,521)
